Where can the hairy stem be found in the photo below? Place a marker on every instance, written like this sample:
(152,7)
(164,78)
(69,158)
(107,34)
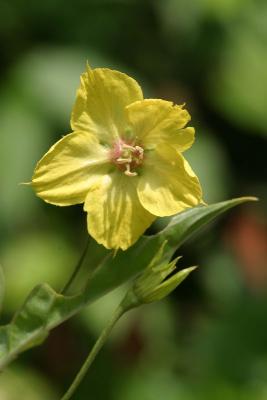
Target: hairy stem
(76,269)
(93,353)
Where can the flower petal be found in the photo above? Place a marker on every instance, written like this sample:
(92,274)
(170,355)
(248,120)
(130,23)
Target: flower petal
(101,101)
(116,218)
(155,121)
(65,173)
(167,184)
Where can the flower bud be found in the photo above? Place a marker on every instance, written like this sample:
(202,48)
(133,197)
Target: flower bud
(156,282)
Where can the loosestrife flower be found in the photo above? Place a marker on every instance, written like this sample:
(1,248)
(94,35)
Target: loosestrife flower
(123,159)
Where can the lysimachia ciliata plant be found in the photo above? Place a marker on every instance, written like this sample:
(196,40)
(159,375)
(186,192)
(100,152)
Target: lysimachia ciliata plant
(124,160)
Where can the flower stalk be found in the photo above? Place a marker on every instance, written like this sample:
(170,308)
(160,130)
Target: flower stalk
(76,269)
(153,284)
(93,353)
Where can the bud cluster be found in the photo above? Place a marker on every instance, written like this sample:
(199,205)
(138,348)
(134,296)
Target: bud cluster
(156,282)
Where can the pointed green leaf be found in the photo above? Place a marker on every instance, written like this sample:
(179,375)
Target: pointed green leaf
(182,226)
(44,308)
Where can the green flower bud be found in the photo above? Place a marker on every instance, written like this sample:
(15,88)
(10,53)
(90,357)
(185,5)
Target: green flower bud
(156,282)
(167,286)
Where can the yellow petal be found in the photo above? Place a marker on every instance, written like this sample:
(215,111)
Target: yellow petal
(156,121)
(116,218)
(101,100)
(167,184)
(65,173)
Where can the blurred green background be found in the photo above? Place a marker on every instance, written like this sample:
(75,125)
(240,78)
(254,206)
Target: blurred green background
(208,340)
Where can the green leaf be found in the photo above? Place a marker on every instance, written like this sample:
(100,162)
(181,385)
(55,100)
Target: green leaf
(44,308)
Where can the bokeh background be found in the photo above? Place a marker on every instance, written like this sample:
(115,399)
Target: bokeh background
(208,340)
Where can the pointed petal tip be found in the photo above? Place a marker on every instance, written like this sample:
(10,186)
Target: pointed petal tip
(182,274)
(191,269)
(243,199)
(249,198)
(176,259)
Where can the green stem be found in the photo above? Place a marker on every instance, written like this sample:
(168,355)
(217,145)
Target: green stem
(76,270)
(92,355)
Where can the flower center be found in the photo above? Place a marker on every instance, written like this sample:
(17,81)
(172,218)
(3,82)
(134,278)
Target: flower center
(127,157)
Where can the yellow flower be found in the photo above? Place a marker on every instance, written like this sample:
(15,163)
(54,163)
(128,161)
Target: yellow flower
(123,159)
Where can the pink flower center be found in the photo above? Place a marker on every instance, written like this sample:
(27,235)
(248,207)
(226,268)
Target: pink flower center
(127,157)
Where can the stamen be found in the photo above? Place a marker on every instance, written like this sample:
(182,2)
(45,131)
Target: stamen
(128,172)
(128,146)
(123,160)
(128,157)
(140,149)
